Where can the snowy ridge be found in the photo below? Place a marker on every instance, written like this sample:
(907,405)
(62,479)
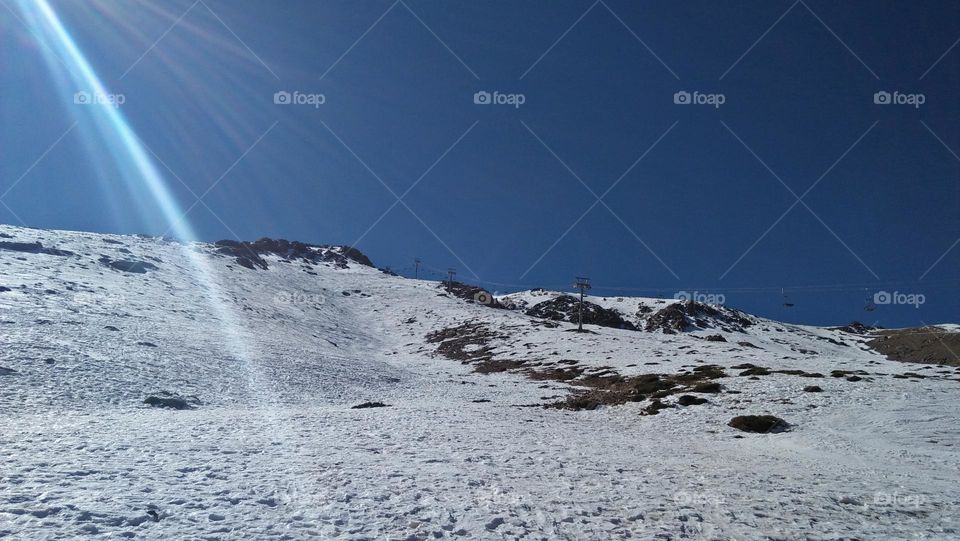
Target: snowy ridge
(278,354)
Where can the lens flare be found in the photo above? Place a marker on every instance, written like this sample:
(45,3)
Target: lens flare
(132,158)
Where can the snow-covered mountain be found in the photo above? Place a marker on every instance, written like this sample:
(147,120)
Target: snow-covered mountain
(263,350)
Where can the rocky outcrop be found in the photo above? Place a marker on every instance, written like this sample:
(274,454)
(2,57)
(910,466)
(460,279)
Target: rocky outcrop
(33,248)
(248,254)
(692,316)
(472,294)
(856,327)
(566,307)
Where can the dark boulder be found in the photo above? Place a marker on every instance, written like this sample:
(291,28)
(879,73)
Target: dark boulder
(760,424)
(367,405)
(166,399)
(690,400)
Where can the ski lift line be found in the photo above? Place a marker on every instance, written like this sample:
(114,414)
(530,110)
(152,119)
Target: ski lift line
(758,289)
(784,290)
(808,289)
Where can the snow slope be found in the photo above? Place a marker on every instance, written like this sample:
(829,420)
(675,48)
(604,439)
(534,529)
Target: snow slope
(278,357)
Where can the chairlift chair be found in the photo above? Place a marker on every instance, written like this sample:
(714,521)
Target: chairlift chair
(786,299)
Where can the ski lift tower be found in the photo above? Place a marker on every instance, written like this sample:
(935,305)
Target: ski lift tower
(582,284)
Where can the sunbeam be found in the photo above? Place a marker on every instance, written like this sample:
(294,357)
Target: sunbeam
(133,160)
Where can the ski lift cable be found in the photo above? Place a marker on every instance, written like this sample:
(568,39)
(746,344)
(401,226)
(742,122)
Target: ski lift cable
(813,288)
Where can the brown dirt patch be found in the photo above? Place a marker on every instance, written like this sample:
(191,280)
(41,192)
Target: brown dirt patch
(927,345)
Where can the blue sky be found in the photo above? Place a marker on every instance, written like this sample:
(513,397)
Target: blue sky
(696,195)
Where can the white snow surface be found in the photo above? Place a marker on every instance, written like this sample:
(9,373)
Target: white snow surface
(278,357)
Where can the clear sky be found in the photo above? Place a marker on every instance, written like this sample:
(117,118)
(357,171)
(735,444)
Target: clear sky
(788,175)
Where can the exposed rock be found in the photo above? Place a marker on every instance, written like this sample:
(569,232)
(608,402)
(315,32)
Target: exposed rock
(690,400)
(655,407)
(166,399)
(468,342)
(706,387)
(32,248)
(855,327)
(248,254)
(691,315)
(566,308)
(366,405)
(715,338)
(761,424)
(472,294)
(756,371)
(812,389)
(128,265)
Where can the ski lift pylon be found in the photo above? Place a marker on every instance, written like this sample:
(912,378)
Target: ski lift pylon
(869,305)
